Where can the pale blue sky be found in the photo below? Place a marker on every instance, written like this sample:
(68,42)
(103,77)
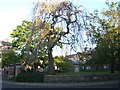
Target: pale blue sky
(13,12)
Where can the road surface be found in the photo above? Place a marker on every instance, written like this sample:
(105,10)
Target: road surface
(107,84)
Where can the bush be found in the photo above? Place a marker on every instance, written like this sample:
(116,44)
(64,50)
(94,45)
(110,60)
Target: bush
(66,66)
(63,64)
(30,77)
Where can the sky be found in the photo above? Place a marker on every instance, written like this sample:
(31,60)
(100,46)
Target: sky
(13,12)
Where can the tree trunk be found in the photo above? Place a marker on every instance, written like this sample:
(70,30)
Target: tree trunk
(51,69)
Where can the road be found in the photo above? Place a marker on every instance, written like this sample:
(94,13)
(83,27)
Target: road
(109,84)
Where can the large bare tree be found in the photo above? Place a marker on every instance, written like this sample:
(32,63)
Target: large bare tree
(57,22)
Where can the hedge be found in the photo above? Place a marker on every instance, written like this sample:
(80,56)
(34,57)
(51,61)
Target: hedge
(30,77)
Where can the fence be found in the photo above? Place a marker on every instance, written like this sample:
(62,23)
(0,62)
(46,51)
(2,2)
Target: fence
(11,71)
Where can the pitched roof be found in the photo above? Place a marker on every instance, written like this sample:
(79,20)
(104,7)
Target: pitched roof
(72,55)
(6,43)
(75,62)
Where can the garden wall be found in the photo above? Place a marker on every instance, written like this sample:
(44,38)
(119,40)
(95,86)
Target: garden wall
(73,78)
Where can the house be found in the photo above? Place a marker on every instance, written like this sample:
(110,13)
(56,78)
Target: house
(76,65)
(75,60)
(73,57)
(5,46)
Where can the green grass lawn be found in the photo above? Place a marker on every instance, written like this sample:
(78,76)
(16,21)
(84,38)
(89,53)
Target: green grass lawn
(87,73)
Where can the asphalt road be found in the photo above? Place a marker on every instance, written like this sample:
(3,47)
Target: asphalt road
(108,84)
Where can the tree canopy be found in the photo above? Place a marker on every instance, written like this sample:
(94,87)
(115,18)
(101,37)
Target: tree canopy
(64,21)
(10,57)
(105,33)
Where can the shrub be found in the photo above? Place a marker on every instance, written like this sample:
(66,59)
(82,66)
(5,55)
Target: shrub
(66,66)
(63,64)
(30,76)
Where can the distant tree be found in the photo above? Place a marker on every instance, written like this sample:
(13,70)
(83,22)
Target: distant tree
(63,63)
(85,55)
(10,57)
(105,33)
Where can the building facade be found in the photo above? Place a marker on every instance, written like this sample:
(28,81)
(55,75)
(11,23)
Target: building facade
(4,47)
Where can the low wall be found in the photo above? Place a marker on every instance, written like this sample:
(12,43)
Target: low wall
(71,78)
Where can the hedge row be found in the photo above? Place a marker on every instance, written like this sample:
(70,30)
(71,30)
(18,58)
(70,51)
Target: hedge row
(41,77)
(30,77)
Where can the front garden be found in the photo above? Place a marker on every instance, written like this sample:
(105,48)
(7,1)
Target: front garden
(84,76)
